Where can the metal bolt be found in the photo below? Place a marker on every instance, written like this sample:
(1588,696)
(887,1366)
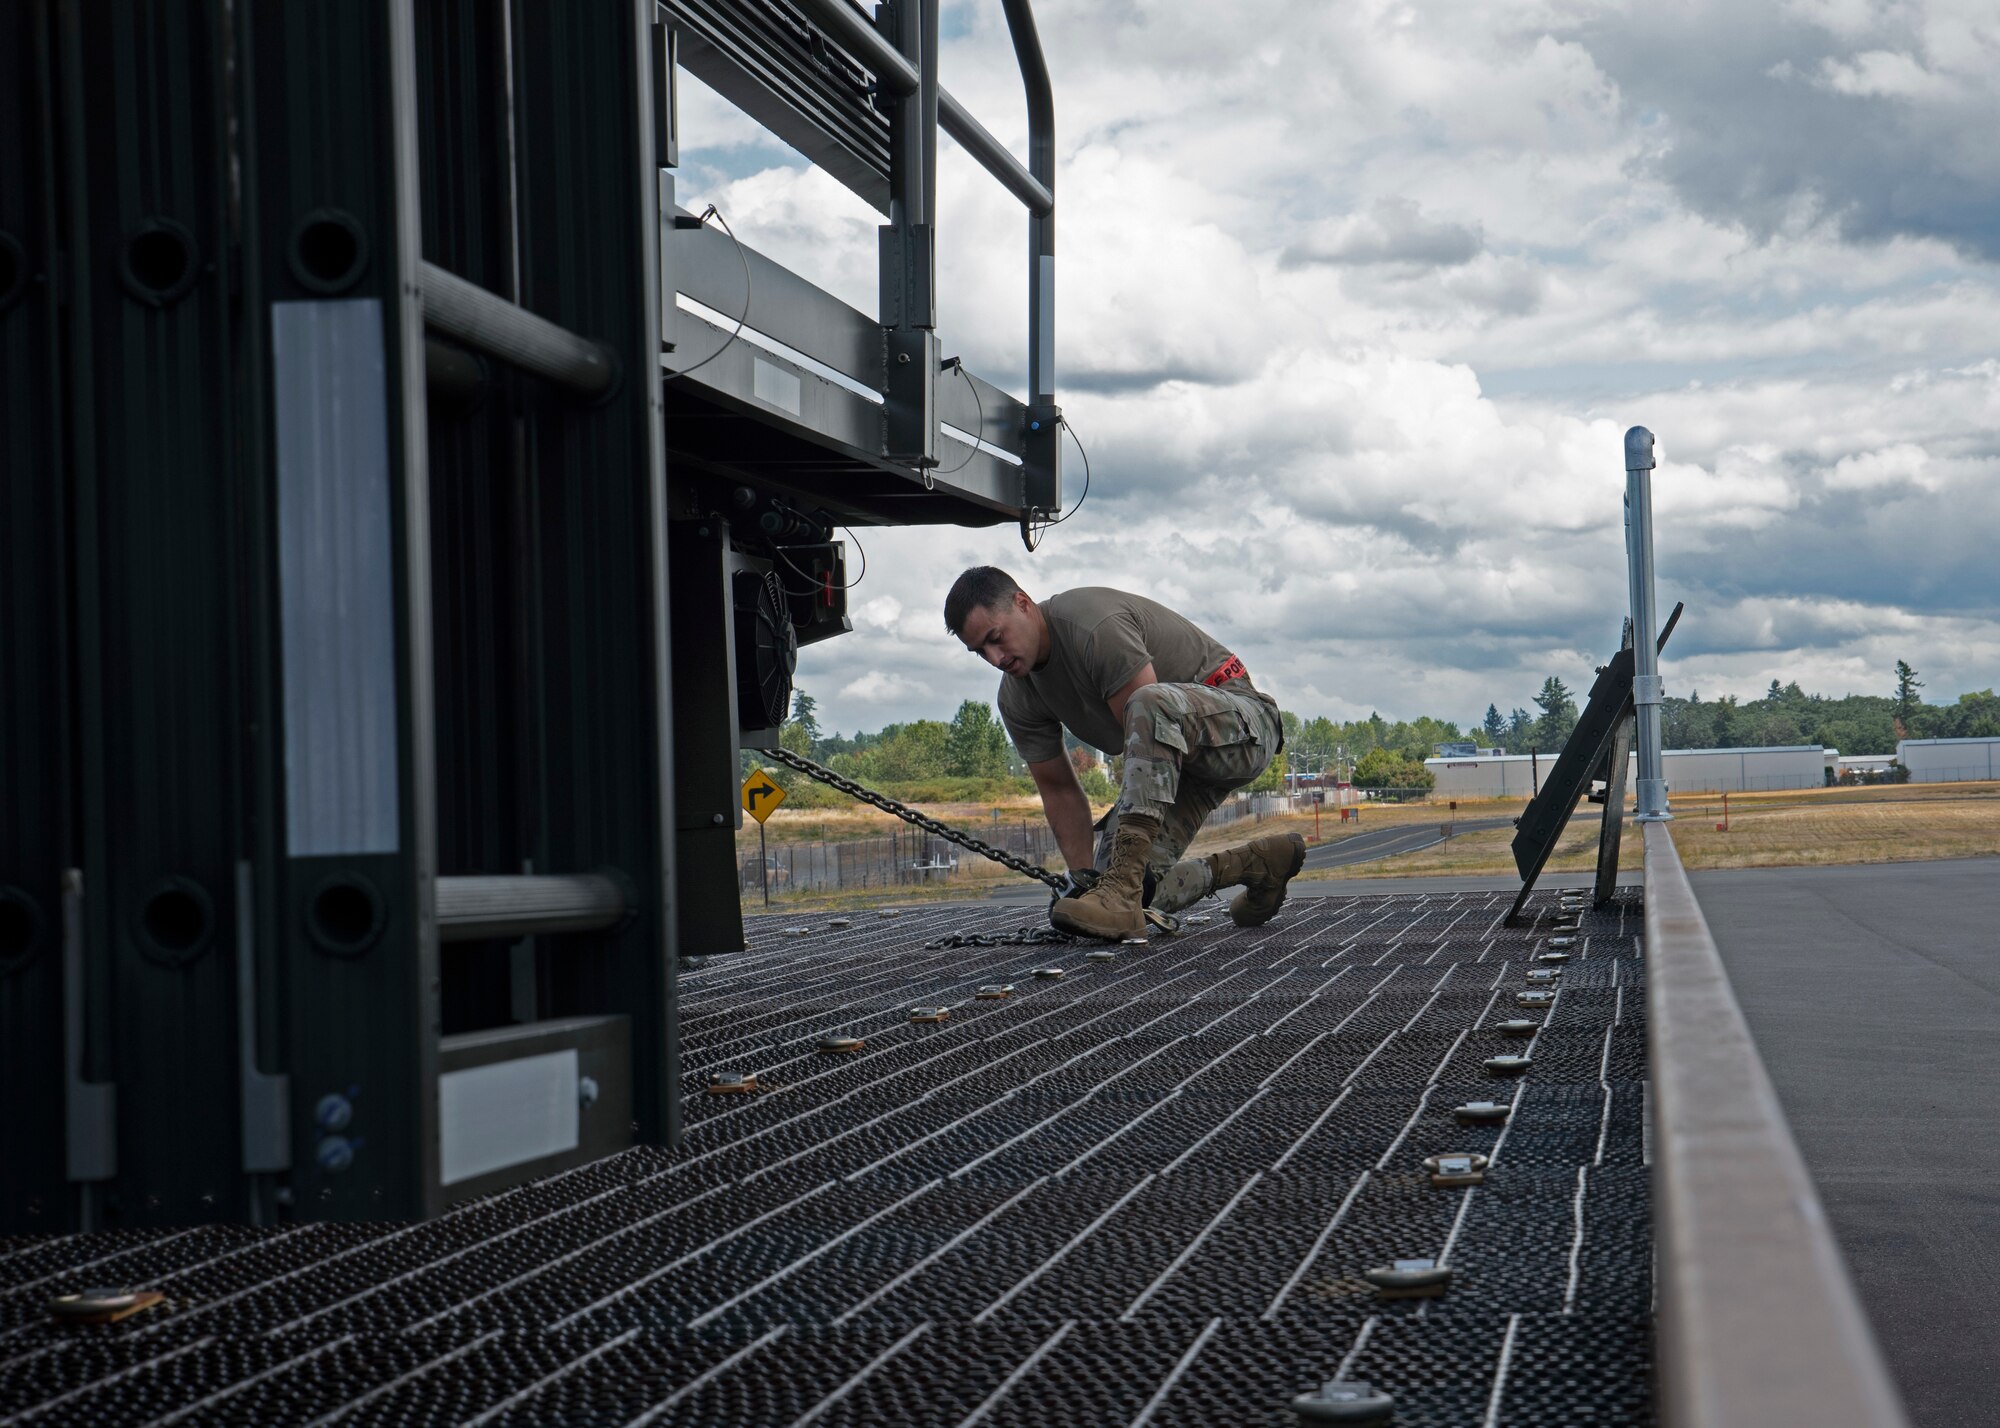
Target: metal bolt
(1409,1279)
(1448,1172)
(717,819)
(334,1112)
(586,1090)
(1351,1402)
(335,1154)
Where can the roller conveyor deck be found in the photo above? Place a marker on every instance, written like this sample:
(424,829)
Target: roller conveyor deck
(1143,1192)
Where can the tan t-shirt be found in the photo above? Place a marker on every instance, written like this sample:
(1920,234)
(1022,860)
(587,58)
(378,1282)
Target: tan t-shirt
(1098,639)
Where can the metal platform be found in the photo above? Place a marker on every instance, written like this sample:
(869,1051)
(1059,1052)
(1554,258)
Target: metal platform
(1144,1193)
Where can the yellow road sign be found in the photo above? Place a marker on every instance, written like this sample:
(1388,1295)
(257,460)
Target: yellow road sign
(761,796)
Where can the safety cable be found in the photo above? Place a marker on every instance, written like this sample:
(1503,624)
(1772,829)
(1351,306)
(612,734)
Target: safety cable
(958,366)
(713,212)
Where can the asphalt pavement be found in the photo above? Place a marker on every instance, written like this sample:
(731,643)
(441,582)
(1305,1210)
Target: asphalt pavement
(1874,997)
(1374,843)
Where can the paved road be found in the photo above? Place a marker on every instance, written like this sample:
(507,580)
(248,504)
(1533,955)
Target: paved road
(1874,996)
(1366,847)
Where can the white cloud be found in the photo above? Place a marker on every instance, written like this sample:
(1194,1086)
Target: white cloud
(1353,325)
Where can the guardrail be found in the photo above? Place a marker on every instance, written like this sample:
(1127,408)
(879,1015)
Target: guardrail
(1758,1321)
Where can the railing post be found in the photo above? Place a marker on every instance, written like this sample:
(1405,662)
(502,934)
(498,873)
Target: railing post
(1044,439)
(908,274)
(1645,655)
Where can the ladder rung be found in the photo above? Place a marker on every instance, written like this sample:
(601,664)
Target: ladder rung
(510,333)
(477,908)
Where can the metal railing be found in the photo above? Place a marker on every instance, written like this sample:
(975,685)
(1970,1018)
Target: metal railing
(1758,1321)
(905,67)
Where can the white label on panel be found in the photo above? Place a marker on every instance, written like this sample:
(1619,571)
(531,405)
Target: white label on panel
(775,385)
(336,577)
(506,1113)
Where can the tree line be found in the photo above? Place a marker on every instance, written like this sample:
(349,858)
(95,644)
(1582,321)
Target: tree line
(1784,714)
(970,758)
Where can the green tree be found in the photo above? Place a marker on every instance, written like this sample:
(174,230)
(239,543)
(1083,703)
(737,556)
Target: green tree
(1906,701)
(805,714)
(976,745)
(1385,768)
(1494,728)
(904,754)
(1558,713)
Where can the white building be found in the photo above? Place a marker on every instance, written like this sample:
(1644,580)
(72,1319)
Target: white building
(1949,760)
(1752,770)
(1489,776)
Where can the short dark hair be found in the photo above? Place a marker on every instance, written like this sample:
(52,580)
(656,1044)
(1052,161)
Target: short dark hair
(981,588)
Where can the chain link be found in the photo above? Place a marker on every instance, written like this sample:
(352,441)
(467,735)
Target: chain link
(910,815)
(1020,937)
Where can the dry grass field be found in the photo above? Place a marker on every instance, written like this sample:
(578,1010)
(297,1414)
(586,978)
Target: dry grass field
(1791,829)
(1889,824)
(791,824)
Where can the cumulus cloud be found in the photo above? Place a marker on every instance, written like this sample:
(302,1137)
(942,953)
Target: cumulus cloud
(1397,231)
(1352,326)
(1871,118)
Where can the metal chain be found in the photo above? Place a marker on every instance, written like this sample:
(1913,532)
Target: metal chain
(1020,937)
(910,815)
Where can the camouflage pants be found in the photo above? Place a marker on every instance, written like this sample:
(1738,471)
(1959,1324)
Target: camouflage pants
(1187,747)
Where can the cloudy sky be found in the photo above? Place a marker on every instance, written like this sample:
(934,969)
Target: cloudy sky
(1356,300)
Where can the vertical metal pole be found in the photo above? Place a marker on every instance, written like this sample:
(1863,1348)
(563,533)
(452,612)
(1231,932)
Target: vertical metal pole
(1044,447)
(908,246)
(764,864)
(1646,660)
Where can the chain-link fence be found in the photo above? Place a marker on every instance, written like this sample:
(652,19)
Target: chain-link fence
(910,859)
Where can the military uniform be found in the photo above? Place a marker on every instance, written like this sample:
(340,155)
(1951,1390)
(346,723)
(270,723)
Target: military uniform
(1187,747)
(1189,741)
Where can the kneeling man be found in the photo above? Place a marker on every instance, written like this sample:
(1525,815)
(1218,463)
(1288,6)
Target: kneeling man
(1122,672)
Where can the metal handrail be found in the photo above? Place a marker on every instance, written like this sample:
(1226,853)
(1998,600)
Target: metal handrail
(896,74)
(1034,185)
(1758,1321)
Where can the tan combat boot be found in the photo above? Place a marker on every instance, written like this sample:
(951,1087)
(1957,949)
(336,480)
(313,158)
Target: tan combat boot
(1112,910)
(1263,866)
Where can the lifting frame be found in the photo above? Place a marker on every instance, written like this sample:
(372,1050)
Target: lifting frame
(385,477)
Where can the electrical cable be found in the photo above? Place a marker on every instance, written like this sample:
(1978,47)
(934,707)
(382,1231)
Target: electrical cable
(779,551)
(713,212)
(958,366)
(1031,534)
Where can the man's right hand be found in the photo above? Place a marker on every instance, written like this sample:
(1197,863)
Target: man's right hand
(1075,884)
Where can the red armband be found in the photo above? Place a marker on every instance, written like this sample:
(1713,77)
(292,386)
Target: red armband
(1231,668)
